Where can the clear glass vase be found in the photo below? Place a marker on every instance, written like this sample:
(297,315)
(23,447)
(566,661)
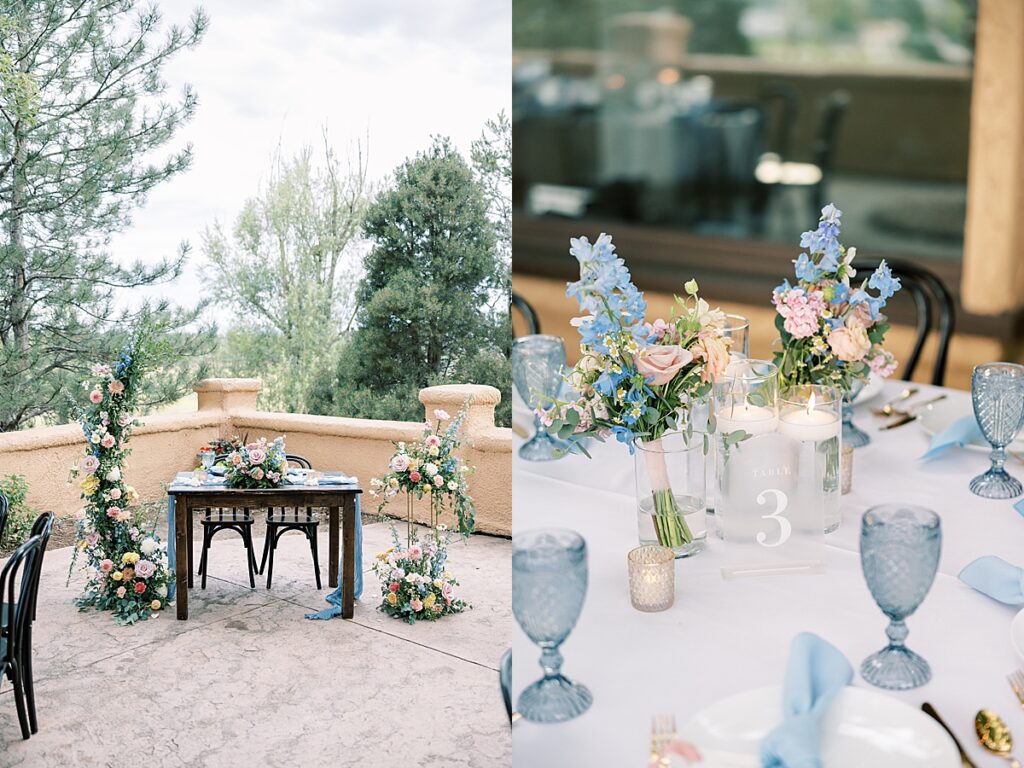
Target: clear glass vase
(670,492)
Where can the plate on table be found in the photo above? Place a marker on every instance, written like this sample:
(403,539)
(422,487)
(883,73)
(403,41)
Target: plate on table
(861,728)
(1017,634)
(871,390)
(936,418)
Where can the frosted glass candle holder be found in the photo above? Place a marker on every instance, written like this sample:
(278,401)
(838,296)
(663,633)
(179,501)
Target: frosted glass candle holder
(811,415)
(652,577)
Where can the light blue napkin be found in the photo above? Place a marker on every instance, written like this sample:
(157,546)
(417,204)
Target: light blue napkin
(996,578)
(961,432)
(815,674)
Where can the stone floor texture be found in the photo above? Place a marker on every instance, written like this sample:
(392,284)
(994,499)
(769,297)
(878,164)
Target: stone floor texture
(247,681)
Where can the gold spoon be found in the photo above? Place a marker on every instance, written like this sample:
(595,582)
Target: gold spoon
(889,408)
(994,736)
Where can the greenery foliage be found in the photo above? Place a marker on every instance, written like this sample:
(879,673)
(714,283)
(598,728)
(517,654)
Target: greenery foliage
(20,515)
(84,115)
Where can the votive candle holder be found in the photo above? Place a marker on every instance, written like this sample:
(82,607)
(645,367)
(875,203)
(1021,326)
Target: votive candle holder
(652,577)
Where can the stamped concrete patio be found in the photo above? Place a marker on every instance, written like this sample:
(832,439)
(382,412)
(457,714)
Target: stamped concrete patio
(247,681)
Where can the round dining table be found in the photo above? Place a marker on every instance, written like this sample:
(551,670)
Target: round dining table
(725,636)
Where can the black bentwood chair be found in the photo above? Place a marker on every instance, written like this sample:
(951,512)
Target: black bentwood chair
(19,579)
(929,295)
(284,520)
(3,515)
(528,313)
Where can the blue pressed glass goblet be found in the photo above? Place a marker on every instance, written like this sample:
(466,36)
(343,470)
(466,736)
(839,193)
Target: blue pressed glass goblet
(852,434)
(899,553)
(537,363)
(997,392)
(549,582)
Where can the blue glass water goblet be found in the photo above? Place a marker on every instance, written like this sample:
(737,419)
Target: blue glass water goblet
(997,392)
(549,582)
(852,434)
(899,554)
(537,363)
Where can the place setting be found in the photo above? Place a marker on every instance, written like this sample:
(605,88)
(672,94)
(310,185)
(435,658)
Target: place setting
(739,470)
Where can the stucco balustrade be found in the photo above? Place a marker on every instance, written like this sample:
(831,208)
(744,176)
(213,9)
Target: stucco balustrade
(167,443)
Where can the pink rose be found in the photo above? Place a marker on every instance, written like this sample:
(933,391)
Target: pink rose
(115,493)
(115,387)
(399,462)
(661,362)
(92,539)
(447,592)
(107,441)
(257,456)
(851,343)
(144,569)
(256,474)
(121,591)
(89,464)
(124,421)
(861,313)
(236,458)
(96,396)
(438,480)
(415,476)
(113,512)
(441,415)
(393,587)
(416,605)
(106,566)
(437,608)
(415,552)
(432,441)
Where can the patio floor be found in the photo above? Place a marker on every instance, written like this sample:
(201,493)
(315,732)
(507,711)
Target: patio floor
(248,681)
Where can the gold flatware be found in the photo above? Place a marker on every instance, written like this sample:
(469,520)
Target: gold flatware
(520,431)
(994,736)
(663,732)
(1016,679)
(889,408)
(929,710)
(912,413)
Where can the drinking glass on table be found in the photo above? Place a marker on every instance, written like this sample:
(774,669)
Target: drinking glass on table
(899,554)
(208,459)
(997,392)
(537,363)
(737,328)
(549,582)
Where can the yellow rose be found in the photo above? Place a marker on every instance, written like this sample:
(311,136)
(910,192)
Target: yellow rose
(438,583)
(130,558)
(116,575)
(384,555)
(131,493)
(427,488)
(392,598)
(413,465)
(155,605)
(429,600)
(90,484)
(393,482)
(433,450)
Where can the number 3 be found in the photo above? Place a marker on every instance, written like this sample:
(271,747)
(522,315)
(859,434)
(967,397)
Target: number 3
(785,529)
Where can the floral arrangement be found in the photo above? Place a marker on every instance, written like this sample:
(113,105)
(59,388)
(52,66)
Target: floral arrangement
(260,464)
(414,583)
(636,379)
(831,330)
(431,468)
(127,567)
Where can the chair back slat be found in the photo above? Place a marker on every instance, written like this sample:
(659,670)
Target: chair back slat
(41,528)
(4,506)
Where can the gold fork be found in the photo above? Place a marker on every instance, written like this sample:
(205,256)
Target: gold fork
(1016,679)
(890,408)
(663,732)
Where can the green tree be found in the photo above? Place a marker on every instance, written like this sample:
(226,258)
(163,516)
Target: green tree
(289,272)
(82,118)
(424,300)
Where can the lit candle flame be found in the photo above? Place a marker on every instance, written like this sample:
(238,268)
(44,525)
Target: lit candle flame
(810,404)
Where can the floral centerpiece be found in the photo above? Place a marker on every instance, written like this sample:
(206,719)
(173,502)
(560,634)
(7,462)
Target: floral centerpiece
(126,564)
(638,380)
(430,468)
(260,464)
(832,330)
(414,582)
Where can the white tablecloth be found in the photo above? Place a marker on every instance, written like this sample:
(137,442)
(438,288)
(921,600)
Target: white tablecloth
(722,637)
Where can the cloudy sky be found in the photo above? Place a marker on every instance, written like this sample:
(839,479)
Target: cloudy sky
(272,73)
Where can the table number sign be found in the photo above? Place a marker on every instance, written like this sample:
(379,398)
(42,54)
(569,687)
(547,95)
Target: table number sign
(770,494)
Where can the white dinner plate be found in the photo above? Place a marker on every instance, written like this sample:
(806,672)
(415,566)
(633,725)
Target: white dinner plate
(1017,634)
(861,728)
(871,390)
(939,416)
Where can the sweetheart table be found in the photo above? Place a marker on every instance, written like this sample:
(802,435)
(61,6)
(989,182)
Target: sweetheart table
(723,637)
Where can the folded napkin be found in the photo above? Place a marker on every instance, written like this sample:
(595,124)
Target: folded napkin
(996,578)
(961,432)
(815,674)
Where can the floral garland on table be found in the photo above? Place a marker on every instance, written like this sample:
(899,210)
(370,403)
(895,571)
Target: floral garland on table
(260,464)
(832,331)
(414,582)
(637,380)
(127,568)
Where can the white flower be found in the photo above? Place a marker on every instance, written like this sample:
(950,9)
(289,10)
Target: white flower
(438,480)
(161,590)
(452,485)
(848,262)
(114,475)
(149,546)
(430,468)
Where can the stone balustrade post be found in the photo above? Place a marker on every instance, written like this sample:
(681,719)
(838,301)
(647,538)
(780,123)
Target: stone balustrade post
(227,394)
(479,399)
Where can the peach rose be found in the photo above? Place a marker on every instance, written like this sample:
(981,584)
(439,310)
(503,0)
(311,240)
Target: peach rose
(659,363)
(715,353)
(851,343)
